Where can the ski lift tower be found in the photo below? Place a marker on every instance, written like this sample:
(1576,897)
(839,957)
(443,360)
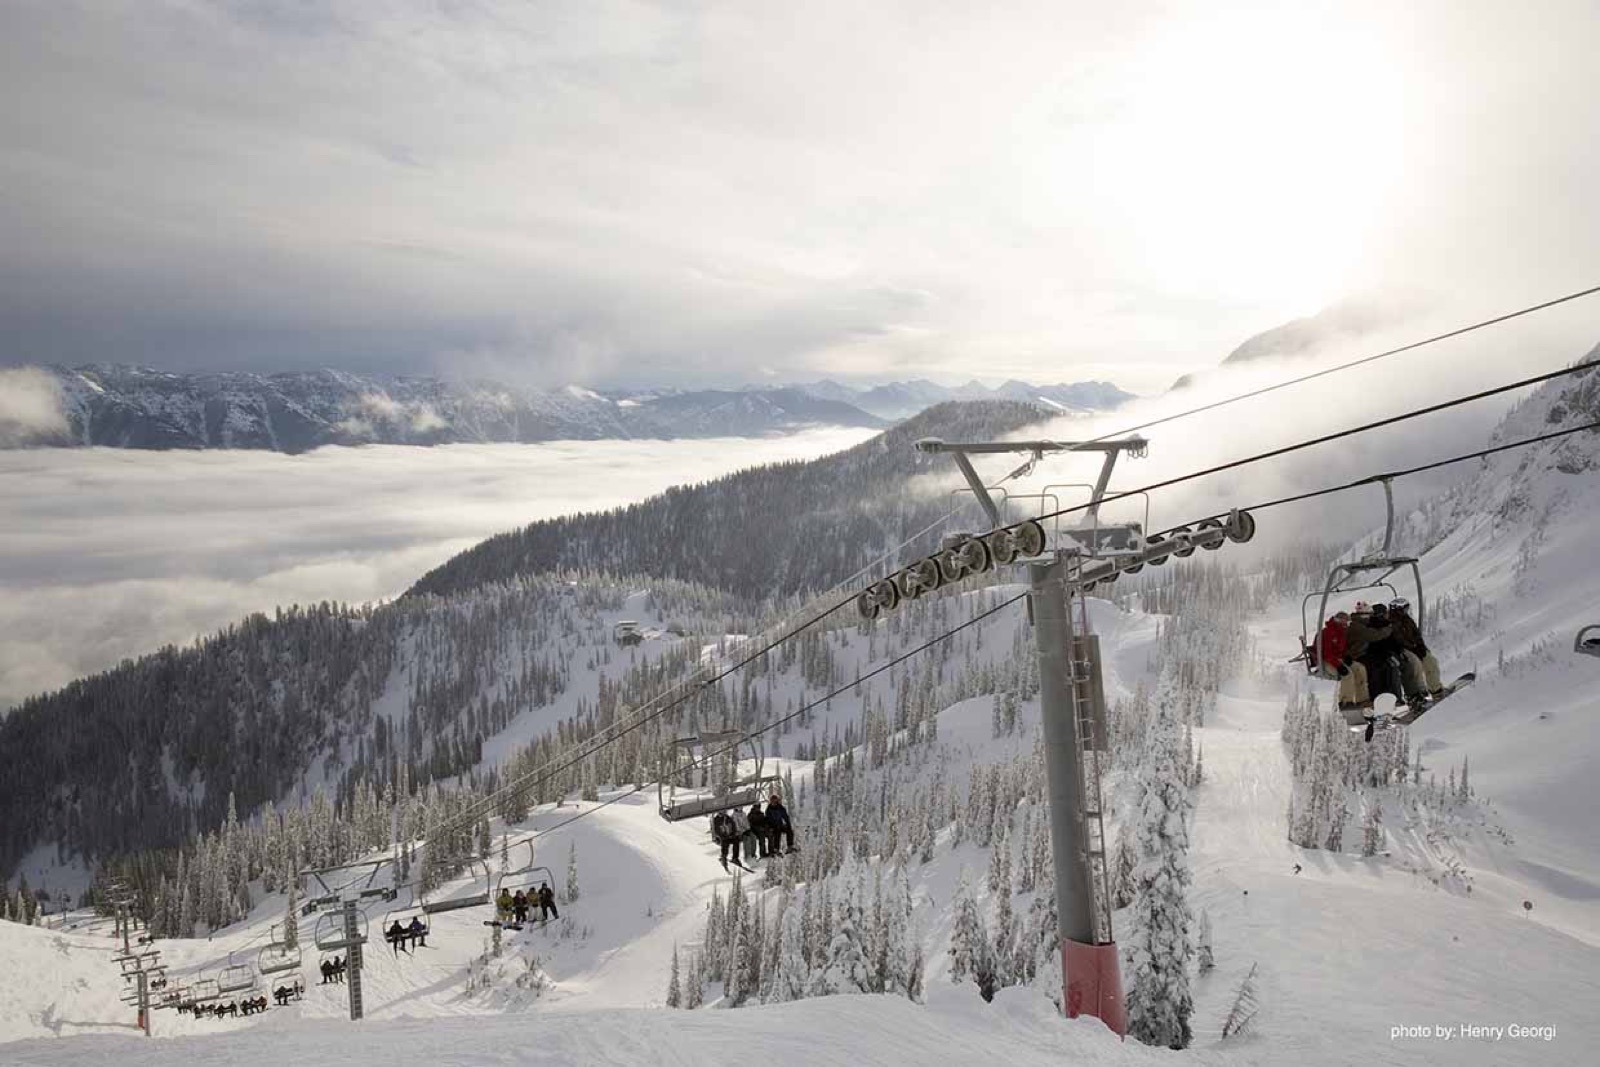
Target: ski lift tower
(1071,697)
(346,927)
(1072,705)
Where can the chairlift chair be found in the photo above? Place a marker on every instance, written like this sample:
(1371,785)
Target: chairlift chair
(330,934)
(236,977)
(525,876)
(202,991)
(471,900)
(1372,571)
(677,802)
(278,956)
(404,917)
(1588,641)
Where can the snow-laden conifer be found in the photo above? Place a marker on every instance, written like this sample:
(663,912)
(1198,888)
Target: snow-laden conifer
(1159,1001)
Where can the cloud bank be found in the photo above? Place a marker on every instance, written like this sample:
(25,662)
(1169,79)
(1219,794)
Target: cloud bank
(106,554)
(30,407)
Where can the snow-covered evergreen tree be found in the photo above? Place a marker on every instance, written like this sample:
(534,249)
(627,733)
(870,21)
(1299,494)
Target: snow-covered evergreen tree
(792,979)
(848,968)
(1372,828)
(572,873)
(674,991)
(1159,1001)
(967,935)
(1205,959)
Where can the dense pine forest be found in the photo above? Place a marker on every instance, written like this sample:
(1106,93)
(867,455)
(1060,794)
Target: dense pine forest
(779,529)
(150,752)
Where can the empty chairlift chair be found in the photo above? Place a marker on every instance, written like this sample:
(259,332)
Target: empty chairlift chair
(330,934)
(1588,641)
(277,956)
(201,991)
(474,895)
(236,978)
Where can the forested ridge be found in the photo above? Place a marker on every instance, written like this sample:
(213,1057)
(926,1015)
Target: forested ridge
(780,529)
(148,753)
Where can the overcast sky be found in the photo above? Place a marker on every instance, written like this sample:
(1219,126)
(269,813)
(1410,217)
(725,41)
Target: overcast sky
(695,193)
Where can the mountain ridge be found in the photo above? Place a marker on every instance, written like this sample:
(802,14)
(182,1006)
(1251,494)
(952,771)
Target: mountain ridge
(113,405)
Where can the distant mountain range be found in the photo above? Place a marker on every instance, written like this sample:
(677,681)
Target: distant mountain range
(121,406)
(900,400)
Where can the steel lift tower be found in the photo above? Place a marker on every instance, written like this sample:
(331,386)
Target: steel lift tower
(1072,697)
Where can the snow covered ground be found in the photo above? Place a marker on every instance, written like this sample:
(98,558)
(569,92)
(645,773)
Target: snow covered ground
(1358,960)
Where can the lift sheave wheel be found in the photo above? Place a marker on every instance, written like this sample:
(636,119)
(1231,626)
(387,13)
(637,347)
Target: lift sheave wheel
(1029,538)
(1182,534)
(1002,547)
(921,577)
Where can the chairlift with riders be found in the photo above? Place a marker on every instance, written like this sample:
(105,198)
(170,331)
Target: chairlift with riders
(679,798)
(525,877)
(1377,571)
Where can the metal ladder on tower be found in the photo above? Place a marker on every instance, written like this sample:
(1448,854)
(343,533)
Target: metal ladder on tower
(1087,718)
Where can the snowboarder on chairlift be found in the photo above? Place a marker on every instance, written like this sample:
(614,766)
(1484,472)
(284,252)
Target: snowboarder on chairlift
(778,825)
(396,936)
(758,829)
(418,931)
(519,907)
(726,836)
(503,905)
(547,902)
(1424,667)
(1364,632)
(1386,662)
(327,971)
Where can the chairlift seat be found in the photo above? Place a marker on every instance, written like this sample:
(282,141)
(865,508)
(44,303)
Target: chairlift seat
(277,958)
(330,932)
(236,978)
(203,990)
(434,907)
(741,796)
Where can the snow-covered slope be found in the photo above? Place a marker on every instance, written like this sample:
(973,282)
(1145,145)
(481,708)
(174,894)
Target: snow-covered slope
(1351,952)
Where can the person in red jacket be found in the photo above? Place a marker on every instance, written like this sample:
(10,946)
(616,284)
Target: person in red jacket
(1336,663)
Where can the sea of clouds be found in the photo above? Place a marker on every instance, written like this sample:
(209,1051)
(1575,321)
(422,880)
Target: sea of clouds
(107,553)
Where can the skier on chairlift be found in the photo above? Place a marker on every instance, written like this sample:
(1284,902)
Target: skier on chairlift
(519,907)
(758,830)
(547,902)
(726,836)
(396,936)
(418,931)
(778,825)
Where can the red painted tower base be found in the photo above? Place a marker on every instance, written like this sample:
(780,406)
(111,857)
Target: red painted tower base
(1092,984)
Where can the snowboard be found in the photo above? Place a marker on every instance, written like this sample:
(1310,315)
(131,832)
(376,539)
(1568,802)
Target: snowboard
(1403,714)
(1412,714)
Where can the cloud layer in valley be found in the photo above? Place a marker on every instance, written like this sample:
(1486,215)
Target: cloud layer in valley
(106,554)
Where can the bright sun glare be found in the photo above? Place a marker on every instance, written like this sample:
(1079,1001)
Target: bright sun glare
(1255,156)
